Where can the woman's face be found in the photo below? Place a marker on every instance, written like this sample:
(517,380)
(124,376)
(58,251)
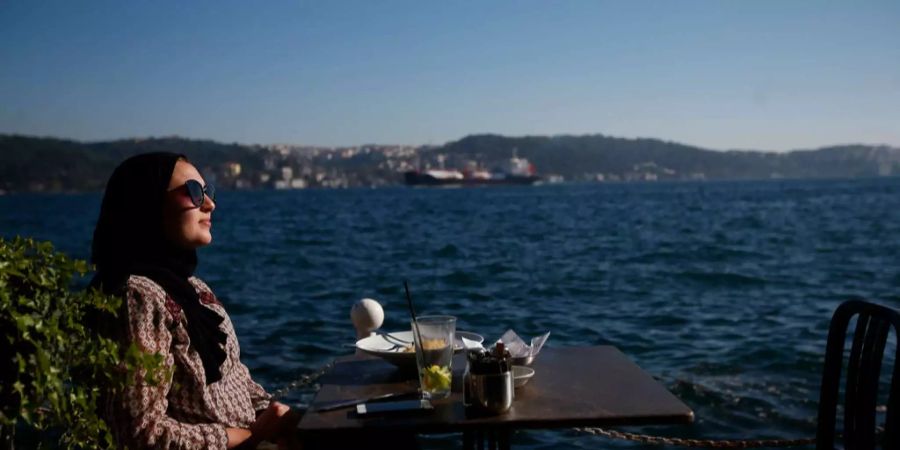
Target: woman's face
(185,224)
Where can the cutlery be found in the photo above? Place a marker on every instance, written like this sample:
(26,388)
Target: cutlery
(393,339)
(345,403)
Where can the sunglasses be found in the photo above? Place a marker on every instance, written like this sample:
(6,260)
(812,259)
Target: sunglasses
(198,192)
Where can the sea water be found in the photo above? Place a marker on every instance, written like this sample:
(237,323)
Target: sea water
(721,290)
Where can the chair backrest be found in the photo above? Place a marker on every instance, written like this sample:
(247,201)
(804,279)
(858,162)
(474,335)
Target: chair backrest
(862,378)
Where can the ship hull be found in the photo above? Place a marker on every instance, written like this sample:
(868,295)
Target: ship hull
(423,179)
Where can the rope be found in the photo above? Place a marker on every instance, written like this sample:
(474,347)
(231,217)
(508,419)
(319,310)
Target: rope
(695,443)
(712,443)
(303,381)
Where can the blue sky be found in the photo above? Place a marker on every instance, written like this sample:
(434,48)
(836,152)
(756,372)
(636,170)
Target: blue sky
(768,75)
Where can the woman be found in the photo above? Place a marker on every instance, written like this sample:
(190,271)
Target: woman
(156,211)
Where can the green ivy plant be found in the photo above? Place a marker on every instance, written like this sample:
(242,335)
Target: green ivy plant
(55,367)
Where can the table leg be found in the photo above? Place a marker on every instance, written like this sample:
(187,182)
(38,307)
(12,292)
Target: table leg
(503,435)
(468,440)
(493,439)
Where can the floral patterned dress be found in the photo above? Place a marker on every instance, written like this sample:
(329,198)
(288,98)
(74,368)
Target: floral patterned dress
(183,412)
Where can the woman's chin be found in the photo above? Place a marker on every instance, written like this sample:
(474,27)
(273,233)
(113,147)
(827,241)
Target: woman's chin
(198,241)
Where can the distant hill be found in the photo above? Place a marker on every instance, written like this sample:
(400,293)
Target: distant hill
(576,156)
(47,164)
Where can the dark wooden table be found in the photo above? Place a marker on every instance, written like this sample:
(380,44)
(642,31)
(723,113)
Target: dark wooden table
(572,386)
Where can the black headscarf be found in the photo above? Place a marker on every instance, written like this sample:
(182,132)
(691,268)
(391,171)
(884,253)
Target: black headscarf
(129,240)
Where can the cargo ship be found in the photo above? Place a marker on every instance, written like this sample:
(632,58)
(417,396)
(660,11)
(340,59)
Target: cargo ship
(516,171)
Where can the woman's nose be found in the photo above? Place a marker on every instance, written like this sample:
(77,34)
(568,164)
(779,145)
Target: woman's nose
(209,205)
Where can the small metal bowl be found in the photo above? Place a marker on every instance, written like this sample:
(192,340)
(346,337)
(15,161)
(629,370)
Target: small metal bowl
(522,360)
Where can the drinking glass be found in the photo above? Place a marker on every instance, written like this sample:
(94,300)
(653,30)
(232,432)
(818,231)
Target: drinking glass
(434,354)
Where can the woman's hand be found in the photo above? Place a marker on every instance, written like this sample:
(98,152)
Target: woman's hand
(239,438)
(277,423)
(269,424)
(288,438)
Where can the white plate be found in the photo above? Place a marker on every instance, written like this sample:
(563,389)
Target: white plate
(521,375)
(391,346)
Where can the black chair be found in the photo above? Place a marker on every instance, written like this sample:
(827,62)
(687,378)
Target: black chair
(862,378)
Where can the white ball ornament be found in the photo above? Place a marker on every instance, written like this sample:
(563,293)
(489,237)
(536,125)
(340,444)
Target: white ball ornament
(367,316)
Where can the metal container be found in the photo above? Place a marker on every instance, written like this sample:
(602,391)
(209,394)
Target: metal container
(488,382)
(491,393)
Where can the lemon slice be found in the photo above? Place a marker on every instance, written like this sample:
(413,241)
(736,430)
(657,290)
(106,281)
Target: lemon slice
(436,378)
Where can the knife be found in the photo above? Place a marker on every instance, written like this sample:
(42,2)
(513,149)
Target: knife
(345,403)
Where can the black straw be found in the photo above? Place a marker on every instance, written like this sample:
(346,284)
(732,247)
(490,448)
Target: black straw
(412,312)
